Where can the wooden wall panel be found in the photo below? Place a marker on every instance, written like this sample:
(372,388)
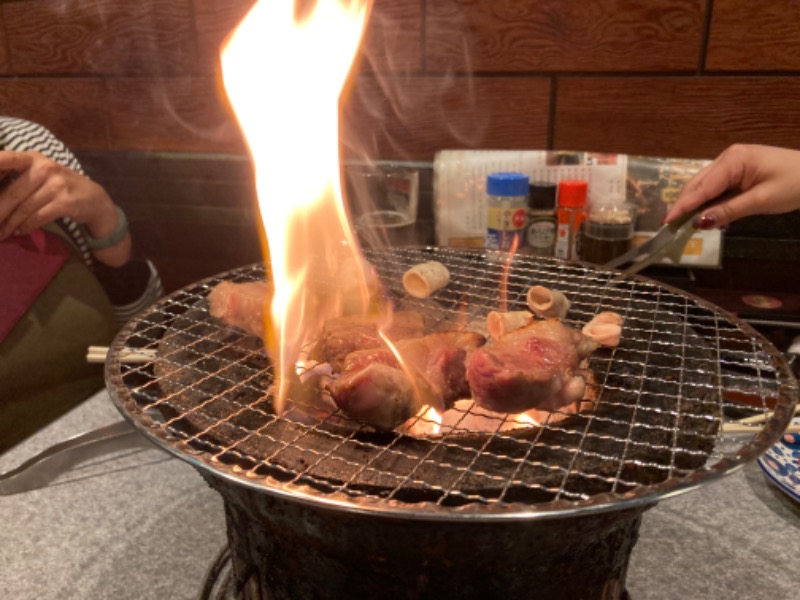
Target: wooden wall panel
(148,37)
(5,67)
(683,116)
(411,118)
(173,115)
(214,20)
(61,106)
(393,40)
(564,35)
(754,36)
(160,61)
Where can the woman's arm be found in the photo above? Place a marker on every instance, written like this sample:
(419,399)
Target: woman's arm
(767,179)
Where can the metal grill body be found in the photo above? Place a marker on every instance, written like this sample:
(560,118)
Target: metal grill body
(285,550)
(655,425)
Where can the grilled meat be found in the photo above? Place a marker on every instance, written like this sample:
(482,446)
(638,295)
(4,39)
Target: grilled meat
(344,335)
(243,305)
(536,366)
(374,387)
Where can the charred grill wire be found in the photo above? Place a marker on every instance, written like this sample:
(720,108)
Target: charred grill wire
(682,369)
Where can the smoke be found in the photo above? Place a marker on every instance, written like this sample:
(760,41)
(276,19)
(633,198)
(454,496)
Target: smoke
(401,109)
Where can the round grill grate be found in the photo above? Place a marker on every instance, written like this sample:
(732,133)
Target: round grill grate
(658,423)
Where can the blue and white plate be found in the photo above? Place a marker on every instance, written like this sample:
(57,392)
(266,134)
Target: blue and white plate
(781,463)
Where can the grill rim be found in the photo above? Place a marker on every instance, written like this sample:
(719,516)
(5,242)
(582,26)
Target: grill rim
(641,496)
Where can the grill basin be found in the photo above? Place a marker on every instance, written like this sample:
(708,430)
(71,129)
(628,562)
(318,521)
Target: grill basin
(285,550)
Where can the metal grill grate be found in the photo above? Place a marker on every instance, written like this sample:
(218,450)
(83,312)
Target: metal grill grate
(682,370)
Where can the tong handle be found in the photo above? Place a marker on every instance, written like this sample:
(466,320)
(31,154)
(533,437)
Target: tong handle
(43,468)
(680,230)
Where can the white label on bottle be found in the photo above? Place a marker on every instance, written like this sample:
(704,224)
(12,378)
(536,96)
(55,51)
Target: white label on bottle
(541,234)
(562,241)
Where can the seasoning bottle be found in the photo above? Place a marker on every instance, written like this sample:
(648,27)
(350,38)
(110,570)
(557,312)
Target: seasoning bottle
(571,200)
(505,217)
(540,232)
(607,232)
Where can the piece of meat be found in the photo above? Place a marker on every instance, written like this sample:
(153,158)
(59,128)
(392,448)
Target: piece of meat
(343,335)
(375,388)
(537,366)
(243,305)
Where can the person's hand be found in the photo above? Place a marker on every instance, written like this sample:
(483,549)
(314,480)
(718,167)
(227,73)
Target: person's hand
(43,191)
(766,178)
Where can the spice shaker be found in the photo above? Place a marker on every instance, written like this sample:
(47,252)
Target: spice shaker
(540,232)
(571,201)
(505,216)
(607,232)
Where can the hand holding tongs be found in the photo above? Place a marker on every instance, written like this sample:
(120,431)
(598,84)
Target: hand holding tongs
(670,241)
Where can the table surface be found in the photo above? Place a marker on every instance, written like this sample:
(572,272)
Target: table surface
(140,524)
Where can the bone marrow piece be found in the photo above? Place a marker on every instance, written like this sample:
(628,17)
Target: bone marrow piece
(500,323)
(423,279)
(546,303)
(374,387)
(604,329)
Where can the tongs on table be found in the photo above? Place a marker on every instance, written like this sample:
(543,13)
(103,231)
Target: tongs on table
(669,241)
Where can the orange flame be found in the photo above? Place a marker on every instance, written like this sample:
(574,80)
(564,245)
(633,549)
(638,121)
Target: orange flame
(428,421)
(284,69)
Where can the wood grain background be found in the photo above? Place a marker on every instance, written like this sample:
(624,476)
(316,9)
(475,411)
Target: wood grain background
(134,88)
(669,77)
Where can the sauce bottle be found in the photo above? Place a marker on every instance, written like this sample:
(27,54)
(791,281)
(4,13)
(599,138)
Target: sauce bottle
(540,232)
(571,200)
(607,232)
(505,216)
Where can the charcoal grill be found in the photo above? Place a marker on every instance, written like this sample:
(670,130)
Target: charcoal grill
(319,505)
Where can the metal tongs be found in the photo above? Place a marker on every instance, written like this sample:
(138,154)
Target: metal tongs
(669,241)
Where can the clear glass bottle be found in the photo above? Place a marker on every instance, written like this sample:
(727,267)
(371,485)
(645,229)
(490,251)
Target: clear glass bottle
(505,210)
(607,232)
(540,232)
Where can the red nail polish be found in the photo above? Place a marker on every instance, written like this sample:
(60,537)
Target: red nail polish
(706,222)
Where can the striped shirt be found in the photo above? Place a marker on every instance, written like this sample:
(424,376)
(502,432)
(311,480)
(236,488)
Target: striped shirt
(131,287)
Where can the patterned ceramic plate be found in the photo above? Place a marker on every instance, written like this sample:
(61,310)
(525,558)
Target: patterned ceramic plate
(781,463)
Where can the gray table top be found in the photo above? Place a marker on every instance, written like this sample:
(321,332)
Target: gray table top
(140,524)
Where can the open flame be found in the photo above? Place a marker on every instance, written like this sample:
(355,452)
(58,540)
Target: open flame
(284,69)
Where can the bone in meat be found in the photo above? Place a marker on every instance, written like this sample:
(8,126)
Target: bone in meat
(375,388)
(343,335)
(537,366)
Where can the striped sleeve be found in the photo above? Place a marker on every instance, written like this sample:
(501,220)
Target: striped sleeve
(125,293)
(23,136)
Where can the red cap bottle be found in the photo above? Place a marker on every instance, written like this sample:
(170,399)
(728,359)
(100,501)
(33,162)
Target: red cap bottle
(572,193)
(571,200)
